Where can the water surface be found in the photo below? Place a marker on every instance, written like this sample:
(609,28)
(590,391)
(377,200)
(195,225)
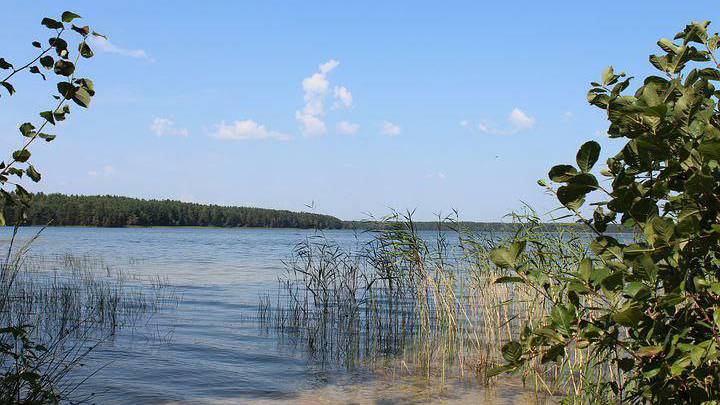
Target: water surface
(210,349)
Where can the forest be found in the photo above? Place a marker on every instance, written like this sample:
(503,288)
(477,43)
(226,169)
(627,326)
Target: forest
(115,211)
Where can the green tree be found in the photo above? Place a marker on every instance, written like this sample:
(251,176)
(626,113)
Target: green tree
(649,309)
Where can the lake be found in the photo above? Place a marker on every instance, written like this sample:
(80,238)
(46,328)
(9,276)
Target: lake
(210,349)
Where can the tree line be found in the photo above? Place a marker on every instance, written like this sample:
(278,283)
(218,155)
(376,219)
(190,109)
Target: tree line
(116,211)
(470,226)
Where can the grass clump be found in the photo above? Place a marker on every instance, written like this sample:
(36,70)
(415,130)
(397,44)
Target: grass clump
(423,303)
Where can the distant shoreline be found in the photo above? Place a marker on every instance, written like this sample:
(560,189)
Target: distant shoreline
(359,229)
(108,211)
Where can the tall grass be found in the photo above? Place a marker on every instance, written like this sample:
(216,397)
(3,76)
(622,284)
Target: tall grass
(55,310)
(428,305)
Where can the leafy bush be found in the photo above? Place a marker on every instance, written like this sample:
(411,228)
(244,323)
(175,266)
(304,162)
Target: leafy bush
(648,310)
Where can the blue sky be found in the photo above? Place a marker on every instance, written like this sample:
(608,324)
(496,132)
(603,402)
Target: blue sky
(358,107)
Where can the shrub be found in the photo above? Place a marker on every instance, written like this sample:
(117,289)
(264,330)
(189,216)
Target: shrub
(647,309)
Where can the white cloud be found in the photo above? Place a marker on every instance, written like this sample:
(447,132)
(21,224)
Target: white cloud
(518,120)
(389,129)
(436,176)
(102,172)
(343,97)
(104,45)
(312,125)
(316,88)
(347,128)
(247,129)
(163,126)
(601,134)
(568,116)
(329,65)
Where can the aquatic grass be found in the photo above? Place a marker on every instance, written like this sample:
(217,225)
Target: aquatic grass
(55,310)
(432,306)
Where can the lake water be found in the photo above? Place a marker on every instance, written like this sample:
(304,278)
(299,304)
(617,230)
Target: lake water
(210,349)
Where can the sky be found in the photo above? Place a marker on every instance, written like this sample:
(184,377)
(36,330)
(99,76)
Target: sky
(352,109)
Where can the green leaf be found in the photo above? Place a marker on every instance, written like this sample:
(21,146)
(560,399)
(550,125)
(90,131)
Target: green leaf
(47,62)
(505,258)
(504,280)
(572,196)
(37,44)
(637,290)
(48,115)
(46,137)
(644,209)
(668,46)
(607,75)
(34,69)
(649,351)
(64,68)
(585,269)
(60,46)
(606,247)
(613,282)
(27,129)
(33,174)
(562,173)
(10,89)
(709,74)
(84,31)
(554,354)
(4,64)
(588,155)
(23,195)
(82,97)
(660,62)
(563,317)
(69,16)
(512,352)
(21,155)
(630,316)
(710,148)
(586,180)
(85,50)
(66,89)
(87,84)
(495,371)
(664,227)
(50,23)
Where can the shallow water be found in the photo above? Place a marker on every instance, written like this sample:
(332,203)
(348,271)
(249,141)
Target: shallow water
(210,349)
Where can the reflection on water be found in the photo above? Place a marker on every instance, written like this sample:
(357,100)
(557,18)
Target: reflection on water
(218,354)
(398,391)
(389,389)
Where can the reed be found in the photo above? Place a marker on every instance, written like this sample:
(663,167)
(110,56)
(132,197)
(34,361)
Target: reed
(426,305)
(55,310)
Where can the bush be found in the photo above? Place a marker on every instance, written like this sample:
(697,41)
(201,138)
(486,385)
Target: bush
(648,310)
